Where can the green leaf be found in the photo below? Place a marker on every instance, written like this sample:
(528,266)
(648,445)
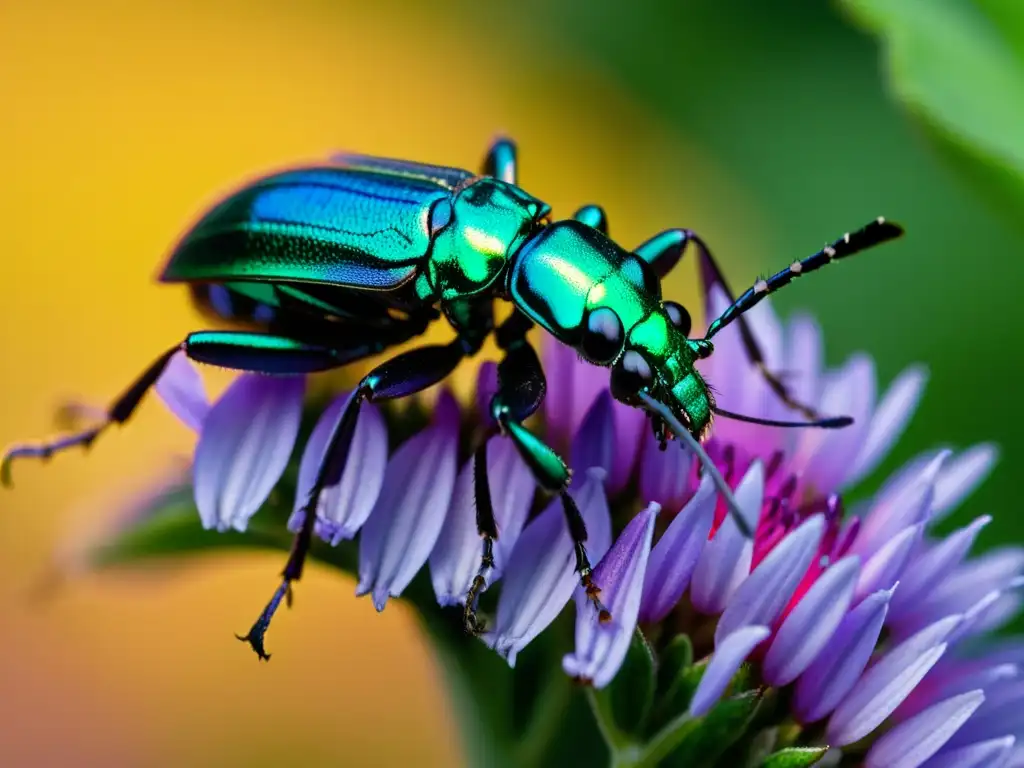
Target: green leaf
(675,659)
(794,757)
(631,693)
(716,731)
(959,67)
(677,684)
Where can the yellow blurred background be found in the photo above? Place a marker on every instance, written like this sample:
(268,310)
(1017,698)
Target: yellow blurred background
(121,121)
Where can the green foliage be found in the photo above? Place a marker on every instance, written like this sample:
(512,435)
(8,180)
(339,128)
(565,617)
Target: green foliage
(631,693)
(794,757)
(959,66)
(715,732)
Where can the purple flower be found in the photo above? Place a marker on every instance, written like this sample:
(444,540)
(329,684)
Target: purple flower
(407,519)
(244,445)
(601,645)
(540,575)
(870,620)
(344,507)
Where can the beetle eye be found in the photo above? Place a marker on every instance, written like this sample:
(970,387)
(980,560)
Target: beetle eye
(678,316)
(603,337)
(630,375)
(440,216)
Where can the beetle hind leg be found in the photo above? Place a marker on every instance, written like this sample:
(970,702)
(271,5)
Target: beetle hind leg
(401,376)
(239,350)
(119,412)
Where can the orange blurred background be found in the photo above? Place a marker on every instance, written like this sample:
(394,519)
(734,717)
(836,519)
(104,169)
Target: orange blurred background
(122,120)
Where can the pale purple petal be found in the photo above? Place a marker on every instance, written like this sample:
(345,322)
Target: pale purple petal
(966,585)
(486,388)
(573,385)
(761,598)
(540,575)
(961,475)
(887,683)
(904,500)
(804,358)
(725,662)
(597,516)
(512,490)
(724,562)
(675,555)
(883,569)
(559,361)
(993,753)
(991,612)
(630,427)
(727,370)
(244,448)
(181,389)
(806,631)
(912,742)
(455,560)
(826,454)
(410,511)
(664,475)
(953,676)
(758,399)
(835,671)
(888,422)
(932,566)
(601,648)
(1000,715)
(456,556)
(594,444)
(344,507)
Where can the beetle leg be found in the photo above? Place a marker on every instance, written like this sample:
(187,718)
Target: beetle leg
(593,216)
(488,529)
(403,375)
(521,387)
(245,351)
(500,161)
(664,251)
(119,412)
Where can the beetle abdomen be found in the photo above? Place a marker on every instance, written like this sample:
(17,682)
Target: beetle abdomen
(322,224)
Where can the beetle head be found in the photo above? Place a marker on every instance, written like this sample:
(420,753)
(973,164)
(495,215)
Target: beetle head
(658,360)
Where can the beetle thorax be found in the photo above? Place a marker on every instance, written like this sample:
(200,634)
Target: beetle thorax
(487,222)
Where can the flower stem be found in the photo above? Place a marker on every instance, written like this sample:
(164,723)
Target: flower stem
(616,740)
(546,721)
(664,741)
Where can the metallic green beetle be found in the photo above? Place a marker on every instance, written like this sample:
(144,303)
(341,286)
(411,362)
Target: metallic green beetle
(318,266)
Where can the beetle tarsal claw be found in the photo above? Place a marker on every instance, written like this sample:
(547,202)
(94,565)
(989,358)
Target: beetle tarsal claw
(254,637)
(256,643)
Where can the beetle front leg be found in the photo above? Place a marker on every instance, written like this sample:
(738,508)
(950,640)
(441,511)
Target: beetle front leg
(593,216)
(521,388)
(403,375)
(500,161)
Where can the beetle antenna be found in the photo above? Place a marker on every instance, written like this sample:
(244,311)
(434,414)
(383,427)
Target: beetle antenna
(693,443)
(875,233)
(833,422)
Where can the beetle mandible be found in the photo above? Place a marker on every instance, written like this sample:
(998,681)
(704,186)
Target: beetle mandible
(321,265)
